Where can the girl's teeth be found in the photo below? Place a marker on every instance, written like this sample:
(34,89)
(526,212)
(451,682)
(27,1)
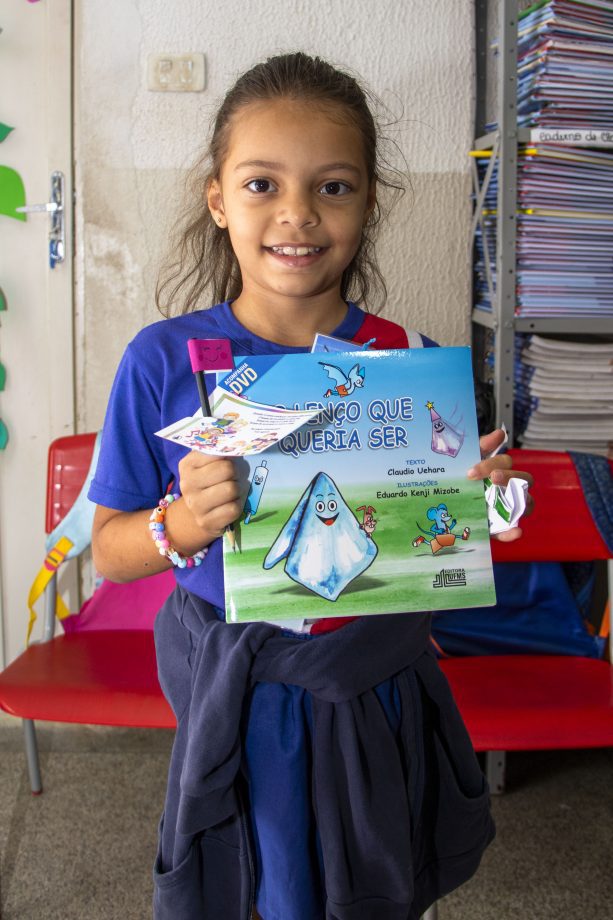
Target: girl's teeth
(296,250)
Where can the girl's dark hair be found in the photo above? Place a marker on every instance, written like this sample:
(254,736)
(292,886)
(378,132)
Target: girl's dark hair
(203,257)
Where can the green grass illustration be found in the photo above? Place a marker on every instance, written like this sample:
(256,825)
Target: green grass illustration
(400,578)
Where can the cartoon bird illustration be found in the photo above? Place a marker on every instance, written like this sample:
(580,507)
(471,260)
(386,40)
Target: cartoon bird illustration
(344,384)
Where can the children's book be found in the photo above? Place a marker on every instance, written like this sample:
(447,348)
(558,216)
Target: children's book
(366,508)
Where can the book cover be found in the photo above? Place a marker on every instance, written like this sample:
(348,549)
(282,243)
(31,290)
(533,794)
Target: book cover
(366,508)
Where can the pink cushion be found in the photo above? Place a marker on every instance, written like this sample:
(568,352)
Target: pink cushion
(133,605)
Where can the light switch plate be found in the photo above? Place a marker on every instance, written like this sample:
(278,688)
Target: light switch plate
(175,73)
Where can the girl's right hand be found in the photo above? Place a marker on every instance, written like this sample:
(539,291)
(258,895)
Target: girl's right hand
(210,489)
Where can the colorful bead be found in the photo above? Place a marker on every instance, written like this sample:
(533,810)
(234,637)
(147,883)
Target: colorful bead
(157,529)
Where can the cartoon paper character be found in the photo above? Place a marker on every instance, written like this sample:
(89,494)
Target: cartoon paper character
(368,521)
(322,542)
(440,531)
(344,384)
(445,438)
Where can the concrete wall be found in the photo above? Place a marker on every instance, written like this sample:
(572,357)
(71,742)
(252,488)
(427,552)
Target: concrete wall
(133,147)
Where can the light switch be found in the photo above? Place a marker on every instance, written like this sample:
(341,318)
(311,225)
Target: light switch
(175,73)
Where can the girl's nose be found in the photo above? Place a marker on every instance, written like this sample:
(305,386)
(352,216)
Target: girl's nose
(298,210)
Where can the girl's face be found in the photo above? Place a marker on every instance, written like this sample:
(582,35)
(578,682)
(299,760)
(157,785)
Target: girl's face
(294,195)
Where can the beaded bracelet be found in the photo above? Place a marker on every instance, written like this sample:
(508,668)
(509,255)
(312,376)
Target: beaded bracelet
(158,533)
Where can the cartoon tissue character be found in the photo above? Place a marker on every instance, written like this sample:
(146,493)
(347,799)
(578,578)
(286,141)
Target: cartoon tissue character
(344,384)
(445,438)
(322,542)
(440,532)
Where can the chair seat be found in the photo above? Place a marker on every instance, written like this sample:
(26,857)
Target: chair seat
(533,702)
(105,677)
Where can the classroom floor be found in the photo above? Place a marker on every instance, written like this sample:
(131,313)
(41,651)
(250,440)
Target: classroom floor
(83,850)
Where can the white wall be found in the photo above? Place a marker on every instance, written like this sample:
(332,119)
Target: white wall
(133,146)
(36,330)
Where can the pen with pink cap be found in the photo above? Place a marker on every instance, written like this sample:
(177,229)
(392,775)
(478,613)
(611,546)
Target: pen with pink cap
(207,356)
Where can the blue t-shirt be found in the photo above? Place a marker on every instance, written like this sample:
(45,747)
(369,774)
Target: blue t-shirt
(154,387)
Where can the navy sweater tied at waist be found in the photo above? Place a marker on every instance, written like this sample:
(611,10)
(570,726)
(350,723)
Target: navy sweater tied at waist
(383,835)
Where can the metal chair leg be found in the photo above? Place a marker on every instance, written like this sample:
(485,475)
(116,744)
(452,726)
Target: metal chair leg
(29,736)
(431,913)
(495,771)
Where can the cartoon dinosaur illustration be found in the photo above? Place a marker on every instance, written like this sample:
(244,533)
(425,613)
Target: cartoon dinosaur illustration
(344,384)
(440,531)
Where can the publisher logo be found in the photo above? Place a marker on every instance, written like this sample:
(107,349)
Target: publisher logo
(450,578)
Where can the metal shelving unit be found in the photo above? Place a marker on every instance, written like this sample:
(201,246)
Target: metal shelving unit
(504,146)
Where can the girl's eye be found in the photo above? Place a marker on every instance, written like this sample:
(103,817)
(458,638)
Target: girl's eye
(335,188)
(260,185)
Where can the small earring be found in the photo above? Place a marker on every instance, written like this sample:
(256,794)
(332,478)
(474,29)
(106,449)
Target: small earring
(219,220)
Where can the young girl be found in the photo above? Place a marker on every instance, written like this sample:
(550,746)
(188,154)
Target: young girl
(323,774)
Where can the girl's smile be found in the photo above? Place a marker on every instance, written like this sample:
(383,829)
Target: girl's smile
(296,256)
(294,195)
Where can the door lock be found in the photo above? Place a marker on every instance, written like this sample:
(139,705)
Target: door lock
(55,209)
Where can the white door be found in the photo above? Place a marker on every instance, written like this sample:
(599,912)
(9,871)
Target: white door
(36,338)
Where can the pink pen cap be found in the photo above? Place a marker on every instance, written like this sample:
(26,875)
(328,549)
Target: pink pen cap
(210,355)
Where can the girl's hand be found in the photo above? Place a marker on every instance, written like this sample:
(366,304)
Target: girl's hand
(210,490)
(500,469)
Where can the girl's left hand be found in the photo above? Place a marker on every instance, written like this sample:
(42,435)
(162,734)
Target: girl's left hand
(500,470)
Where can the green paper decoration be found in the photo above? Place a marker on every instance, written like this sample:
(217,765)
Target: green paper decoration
(12,196)
(12,193)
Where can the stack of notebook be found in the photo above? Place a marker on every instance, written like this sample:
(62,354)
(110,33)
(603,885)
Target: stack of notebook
(564,233)
(565,64)
(564,222)
(564,395)
(565,193)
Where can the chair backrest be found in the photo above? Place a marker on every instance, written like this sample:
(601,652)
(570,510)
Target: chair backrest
(130,606)
(68,463)
(560,528)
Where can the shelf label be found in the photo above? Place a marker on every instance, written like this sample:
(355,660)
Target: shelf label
(596,137)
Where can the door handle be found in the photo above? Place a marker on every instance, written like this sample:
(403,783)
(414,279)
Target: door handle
(55,209)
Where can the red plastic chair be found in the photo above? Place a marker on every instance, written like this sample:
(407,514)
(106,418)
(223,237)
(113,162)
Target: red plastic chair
(106,677)
(537,702)
(509,702)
